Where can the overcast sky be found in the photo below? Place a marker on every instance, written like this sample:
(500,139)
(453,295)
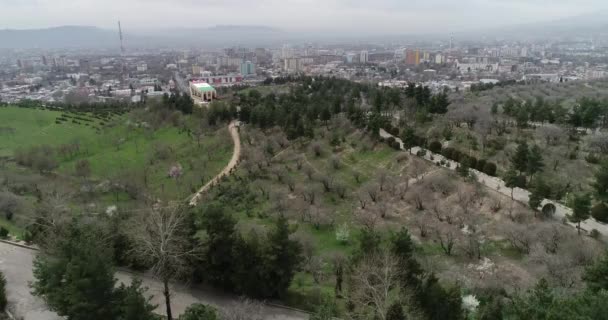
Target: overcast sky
(366,16)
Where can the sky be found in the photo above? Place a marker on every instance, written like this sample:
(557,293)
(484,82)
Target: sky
(357,16)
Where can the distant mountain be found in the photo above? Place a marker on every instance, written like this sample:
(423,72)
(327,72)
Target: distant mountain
(582,25)
(59,37)
(93,37)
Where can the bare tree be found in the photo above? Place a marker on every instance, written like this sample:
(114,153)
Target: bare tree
(374,285)
(552,134)
(244,309)
(372,191)
(160,239)
(519,237)
(309,195)
(447,240)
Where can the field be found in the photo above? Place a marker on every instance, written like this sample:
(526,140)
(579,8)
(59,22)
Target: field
(121,150)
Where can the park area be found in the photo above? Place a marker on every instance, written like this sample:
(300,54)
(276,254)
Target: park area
(103,160)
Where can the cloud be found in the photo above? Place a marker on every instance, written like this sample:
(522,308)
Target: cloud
(377,16)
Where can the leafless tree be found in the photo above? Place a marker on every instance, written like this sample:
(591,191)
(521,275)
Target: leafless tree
(362,197)
(335,162)
(383,178)
(550,238)
(309,171)
(357,176)
(374,285)
(599,143)
(160,239)
(309,195)
(244,309)
(372,191)
(552,134)
(423,222)
(327,181)
(519,237)
(340,190)
(447,239)
(368,218)
(290,182)
(300,161)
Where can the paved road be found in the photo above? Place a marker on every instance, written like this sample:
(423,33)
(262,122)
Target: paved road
(236,155)
(498,185)
(16,264)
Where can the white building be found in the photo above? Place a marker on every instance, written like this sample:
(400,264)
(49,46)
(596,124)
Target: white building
(364,57)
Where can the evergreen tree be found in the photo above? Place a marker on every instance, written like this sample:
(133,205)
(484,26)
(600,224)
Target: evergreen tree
(199,311)
(395,312)
(581,209)
(535,161)
(403,248)
(601,182)
(596,275)
(3,300)
(77,281)
(409,139)
(282,259)
(132,304)
(219,240)
(519,161)
(535,305)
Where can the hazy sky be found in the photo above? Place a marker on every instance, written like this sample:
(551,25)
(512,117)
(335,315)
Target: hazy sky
(367,16)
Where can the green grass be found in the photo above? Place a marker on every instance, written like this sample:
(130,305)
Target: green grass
(12,228)
(38,127)
(121,149)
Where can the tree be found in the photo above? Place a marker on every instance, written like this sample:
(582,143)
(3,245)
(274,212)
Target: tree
(519,161)
(536,304)
(325,311)
(535,161)
(403,248)
(596,275)
(511,180)
(75,276)
(132,303)
(199,311)
(409,139)
(219,241)
(161,241)
(374,285)
(83,168)
(601,182)
(282,259)
(3,300)
(600,212)
(581,207)
(539,191)
(438,302)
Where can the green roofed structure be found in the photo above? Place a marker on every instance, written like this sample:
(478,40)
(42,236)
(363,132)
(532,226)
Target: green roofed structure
(203,90)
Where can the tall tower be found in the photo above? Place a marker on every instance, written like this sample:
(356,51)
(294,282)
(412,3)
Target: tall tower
(122,47)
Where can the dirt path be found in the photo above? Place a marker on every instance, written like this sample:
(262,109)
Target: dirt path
(236,155)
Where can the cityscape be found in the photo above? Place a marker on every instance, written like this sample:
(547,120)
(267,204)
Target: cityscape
(303,160)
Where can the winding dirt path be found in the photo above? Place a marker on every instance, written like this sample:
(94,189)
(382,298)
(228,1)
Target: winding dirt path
(236,155)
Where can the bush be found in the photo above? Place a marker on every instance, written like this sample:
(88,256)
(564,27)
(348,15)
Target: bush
(490,169)
(435,147)
(396,145)
(447,152)
(595,234)
(600,212)
(421,153)
(3,233)
(592,158)
(481,163)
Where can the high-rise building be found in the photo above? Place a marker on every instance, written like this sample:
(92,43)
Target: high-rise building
(364,57)
(412,57)
(247,68)
(293,65)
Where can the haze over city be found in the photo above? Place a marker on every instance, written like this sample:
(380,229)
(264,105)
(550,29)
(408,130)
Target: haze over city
(344,16)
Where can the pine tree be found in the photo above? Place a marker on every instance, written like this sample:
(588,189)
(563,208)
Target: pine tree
(535,161)
(519,161)
(409,139)
(601,182)
(581,209)
(282,259)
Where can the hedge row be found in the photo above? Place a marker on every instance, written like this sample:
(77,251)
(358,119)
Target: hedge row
(481,165)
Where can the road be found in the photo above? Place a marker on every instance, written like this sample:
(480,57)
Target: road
(16,264)
(498,185)
(234,161)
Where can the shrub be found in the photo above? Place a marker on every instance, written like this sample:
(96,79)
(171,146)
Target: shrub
(481,163)
(3,233)
(396,145)
(595,234)
(600,212)
(490,169)
(592,158)
(435,146)
(421,153)
(447,152)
